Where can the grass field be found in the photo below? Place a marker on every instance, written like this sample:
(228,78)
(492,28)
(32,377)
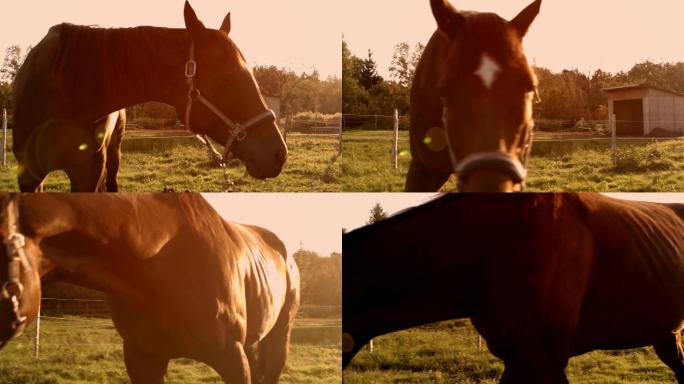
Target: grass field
(153,161)
(564,164)
(82,350)
(448,353)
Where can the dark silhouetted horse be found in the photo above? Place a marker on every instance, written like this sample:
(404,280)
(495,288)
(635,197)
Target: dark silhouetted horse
(542,277)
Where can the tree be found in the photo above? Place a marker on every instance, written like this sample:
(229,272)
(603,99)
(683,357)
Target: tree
(368,76)
(377,214)
(11,64)
(404,63)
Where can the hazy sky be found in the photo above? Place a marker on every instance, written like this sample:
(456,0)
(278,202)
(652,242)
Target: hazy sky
(299,34)
(306,218)
(585,34)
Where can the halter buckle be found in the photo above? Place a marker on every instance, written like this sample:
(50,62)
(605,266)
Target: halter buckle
(241,133)
(190,69)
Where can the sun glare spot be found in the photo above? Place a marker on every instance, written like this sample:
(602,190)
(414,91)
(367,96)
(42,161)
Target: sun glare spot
(435,139)
(83,147)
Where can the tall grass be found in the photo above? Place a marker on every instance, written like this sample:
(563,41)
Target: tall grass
(554,165)
(82,350)
(448,353)
(182,164)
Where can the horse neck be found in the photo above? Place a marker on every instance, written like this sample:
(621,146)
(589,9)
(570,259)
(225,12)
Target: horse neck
(102,241)
(399,273)
(109,69)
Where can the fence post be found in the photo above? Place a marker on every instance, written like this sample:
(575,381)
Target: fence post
(479,342)
(36,341)
(339,150)
(395,141)
(613,139)
(4,137)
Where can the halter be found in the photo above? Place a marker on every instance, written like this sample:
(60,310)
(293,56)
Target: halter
(15,245)
(237,131)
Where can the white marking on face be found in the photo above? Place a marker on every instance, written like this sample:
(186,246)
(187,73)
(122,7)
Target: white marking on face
(488,70)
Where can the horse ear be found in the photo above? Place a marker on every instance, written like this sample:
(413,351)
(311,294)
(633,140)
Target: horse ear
(449,20)
(192,23)
(225,27)
(522,22)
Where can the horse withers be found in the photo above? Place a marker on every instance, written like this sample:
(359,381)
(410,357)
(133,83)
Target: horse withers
(471,102)
(180,281)
(542,277)
(77,75)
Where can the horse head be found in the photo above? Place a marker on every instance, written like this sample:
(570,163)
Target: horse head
(224,101)
(20,280)
(487,89)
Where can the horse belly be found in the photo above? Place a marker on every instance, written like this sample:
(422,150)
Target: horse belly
(622,320)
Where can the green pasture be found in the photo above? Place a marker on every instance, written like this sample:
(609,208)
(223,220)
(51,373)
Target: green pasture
(153,161)
(448,353)
(557,164)
(85,350)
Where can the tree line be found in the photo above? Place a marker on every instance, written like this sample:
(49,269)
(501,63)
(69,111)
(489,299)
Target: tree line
(298,92)
(565,95)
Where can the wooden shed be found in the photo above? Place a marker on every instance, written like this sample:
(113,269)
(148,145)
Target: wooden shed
(640,109)
(273,102)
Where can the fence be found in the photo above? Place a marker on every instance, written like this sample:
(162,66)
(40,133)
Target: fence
(95,314)
(137,131)
(545,131)
(318,127)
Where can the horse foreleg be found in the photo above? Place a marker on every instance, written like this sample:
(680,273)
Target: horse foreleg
(88,175)
(143,367)
(670,352)
(28,182)
(232,364)
(533,372)
(420,179)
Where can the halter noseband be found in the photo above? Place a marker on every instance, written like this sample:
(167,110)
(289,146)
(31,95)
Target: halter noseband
(15,246)
(237,131)
(494,161)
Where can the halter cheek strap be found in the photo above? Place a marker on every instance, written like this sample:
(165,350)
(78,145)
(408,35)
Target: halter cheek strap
(15,245)
(238,132)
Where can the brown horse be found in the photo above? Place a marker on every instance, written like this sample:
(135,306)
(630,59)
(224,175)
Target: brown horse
(181,281)
(76,75)
(543,277)
(471,102)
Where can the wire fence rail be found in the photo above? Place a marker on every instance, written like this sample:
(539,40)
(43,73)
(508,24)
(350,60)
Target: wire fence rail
(92,316)
(545,131)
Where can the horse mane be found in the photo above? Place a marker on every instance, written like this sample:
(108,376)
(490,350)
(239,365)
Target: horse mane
(88,59)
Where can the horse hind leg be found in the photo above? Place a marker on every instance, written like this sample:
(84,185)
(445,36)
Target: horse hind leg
(671,352)
(143,367)
(114,153)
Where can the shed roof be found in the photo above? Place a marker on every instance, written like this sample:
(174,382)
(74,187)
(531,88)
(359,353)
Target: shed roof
(639,86)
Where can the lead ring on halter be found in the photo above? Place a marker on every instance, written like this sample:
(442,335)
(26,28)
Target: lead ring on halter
(497,161)
(238,132)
